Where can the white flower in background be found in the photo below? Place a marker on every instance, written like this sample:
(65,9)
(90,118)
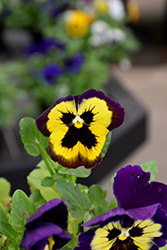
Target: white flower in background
(103,33)
(116,9)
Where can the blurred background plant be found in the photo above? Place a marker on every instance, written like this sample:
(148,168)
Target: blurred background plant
(72,45)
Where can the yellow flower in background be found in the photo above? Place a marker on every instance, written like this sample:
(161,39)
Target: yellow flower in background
(133,11)
(77,127)
(101,6)
(77,23)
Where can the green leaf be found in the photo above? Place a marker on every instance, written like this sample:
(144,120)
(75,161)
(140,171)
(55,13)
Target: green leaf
(81,172)
(30,136)
(163,248)
(150,166)
(48,181)
(97,196)
(34,180)
(113,203)
(106,144)
(21,207)
(112,180)
(37,199)
(66,247)
(5,188)
(6,228)
(76,199)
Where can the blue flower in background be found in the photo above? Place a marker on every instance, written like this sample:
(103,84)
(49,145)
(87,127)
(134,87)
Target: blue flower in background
(44,46)
(51,72)
(74,64)
(56,7)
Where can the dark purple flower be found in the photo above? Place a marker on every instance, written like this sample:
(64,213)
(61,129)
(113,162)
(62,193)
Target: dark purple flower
(56,7)
(46,227)
(74,63)
(51,72)
(44,46)
(140,221)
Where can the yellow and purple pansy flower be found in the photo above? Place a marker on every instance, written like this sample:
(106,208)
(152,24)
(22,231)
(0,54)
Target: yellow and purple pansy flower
(46,228)
(77,127)
(140,220)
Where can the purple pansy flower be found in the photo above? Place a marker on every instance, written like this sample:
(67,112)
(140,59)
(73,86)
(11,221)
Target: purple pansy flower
(74,63)
(56,7)
(46,227)
(140,221)
(51,72)
(44,46)
(77,127)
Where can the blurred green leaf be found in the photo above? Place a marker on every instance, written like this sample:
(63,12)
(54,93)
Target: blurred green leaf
(5,188)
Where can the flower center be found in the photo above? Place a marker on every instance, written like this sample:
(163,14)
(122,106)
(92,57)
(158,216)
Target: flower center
(124,234)
(78,122)
(51,243)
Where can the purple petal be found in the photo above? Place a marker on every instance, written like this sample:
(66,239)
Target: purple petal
(36,236)
(74,64)
(85,239)
(54,211)
(133,190)
(51,72)
(44,46)
(161,218)
(138,214)
(118,111)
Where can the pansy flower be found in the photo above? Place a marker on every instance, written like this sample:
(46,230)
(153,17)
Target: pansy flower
(44,46)
(46,227)
(51,72)
(74,63)
(77,23)
(77,127)
(140,221)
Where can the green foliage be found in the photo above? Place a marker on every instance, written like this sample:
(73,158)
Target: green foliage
(22,208)
(66,247)
(6,228)
(113,203)
(97,195)
(150,166)
(106,144)
(31,137)
(34,180)
(81,172)
(76,199)
(5,188)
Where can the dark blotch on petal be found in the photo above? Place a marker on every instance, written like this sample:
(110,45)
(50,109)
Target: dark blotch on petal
(113,233)
(67,118)
(127,244)
(136,232)
(83,135)
(87,116)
